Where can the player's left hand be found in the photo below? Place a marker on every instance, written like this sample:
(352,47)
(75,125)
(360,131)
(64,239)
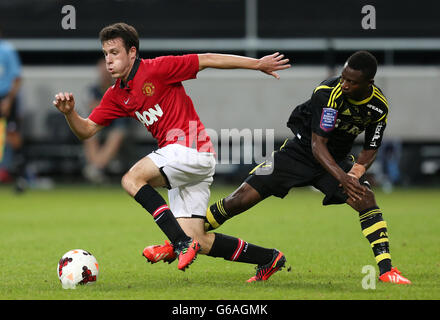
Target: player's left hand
(271,63)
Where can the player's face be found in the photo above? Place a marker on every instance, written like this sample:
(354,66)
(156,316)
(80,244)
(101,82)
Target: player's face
(353,84)
(117,60)
(104,75)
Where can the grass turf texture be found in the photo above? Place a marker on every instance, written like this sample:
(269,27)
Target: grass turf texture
(323,245)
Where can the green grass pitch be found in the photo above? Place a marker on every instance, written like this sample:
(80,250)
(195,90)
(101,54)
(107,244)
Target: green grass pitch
(324,247)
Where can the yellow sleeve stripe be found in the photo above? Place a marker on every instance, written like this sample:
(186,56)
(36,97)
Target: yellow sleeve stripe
(330,100)
(322,87)
(334,92)
(336,97)
(379,241)
(381,99)
(382,256)
(382,118)
(374,227)
(380,96)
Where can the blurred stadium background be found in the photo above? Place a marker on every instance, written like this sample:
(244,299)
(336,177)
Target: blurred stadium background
(316,36)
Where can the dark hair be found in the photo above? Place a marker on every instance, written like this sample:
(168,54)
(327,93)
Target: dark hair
(365,62)
(127,33)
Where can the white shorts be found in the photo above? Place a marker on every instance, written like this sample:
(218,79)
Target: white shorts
(189,175)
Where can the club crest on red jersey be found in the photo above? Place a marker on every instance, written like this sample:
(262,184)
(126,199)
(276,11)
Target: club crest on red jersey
(148,89)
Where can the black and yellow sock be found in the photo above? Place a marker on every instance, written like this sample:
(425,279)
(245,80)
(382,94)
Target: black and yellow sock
(374,229)
(216,215)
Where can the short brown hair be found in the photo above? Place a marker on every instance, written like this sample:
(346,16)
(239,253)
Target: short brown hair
(127,33)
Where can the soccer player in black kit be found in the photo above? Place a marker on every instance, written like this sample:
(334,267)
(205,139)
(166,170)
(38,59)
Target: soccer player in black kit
(324,129)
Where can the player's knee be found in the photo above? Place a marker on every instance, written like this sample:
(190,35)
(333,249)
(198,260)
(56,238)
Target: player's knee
(368,201)
(125,181)
(369,197)
(128,183)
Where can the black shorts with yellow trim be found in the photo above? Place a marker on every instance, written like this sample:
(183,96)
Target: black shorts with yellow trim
(292,167)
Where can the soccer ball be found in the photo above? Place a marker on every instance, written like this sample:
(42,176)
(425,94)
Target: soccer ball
(77,267)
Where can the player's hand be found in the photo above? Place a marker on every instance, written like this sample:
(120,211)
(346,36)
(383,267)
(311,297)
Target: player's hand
(271,63)
(352,187)
(64,102)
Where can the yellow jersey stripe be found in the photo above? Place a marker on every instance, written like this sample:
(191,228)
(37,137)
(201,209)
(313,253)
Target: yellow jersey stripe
(322,87)
(381,118)
(330,100)
(381,99)
(355,102)
(336,97)
(253,170)
(374,227)
(336,91)
(284,143)
(380,94)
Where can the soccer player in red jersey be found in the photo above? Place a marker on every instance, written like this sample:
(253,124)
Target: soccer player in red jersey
(151,91)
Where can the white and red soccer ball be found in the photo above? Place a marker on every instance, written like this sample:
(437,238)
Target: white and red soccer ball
(77,267)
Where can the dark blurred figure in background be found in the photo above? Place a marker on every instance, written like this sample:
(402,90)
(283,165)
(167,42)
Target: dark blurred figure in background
(390,160)
(12,160)
(101,150)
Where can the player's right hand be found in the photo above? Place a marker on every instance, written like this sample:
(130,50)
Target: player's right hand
(273,62)
(352,187)
(64,102)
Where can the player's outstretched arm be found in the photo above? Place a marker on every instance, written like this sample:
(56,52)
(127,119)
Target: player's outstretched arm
(82,128)
(268,64)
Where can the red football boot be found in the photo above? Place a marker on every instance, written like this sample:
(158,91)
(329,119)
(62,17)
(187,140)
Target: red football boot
(394,276)
(265,271)
(157,253)
(187,253)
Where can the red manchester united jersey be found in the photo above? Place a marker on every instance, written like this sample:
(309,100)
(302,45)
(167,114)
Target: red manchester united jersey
(154,95)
